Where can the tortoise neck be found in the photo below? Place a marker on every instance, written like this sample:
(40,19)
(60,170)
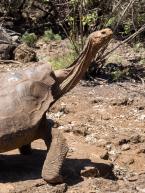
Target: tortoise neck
(70,76)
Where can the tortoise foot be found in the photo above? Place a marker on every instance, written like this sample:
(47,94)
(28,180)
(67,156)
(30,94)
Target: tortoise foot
(53,179)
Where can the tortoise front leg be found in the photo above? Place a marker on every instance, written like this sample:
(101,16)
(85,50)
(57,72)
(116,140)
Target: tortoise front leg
(56,154)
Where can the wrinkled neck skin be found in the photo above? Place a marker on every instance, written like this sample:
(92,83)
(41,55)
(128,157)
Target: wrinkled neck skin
(67,78)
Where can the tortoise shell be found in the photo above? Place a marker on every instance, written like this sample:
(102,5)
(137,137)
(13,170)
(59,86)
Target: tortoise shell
(25,96)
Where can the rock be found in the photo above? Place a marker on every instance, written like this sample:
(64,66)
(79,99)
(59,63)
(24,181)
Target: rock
(79,131)
(98,170)
(141,117)
(25,54)
(141,149)
(7,43)
(128,161)
(97,100)
(120,172)
(56,124)
(125,147)
(89,171)
(104,155)
(136,139)
(141,108)
(6,51)
(106,116)
(15,38)
(140,190)
(122,101)
(133,178)
(109,147)
(113,155)
(64,110)
(123,141)
(102,143)
(91,139)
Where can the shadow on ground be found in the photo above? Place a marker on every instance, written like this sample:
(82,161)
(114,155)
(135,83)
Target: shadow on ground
(14,168)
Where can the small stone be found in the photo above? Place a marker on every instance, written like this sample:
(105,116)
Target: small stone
(15,38)
(97,100)
(136,139)
(104,155)
(59,114)
(125,147)
(89,171)
(102,143)
(91,139)
(123,141)
(142,117)
(141,108)
(56,124)
(113,155)
(64,109)
(122,101)
(71,149)
(109,147)
(80,131)
(140,190)
(128,161)
(141,150)
(132,178)
(106,117)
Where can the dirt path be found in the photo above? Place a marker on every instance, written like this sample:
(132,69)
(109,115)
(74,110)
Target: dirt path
(105,130)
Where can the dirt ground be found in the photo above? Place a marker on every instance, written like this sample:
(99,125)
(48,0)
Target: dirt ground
(105,130)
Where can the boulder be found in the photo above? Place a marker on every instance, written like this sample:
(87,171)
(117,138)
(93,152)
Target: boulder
(24,53)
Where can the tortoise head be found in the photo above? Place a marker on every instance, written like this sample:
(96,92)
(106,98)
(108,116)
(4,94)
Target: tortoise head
(100,38)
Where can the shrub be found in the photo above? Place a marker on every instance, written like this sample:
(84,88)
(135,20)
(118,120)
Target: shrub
(60,62)
(49,35)
(29,38)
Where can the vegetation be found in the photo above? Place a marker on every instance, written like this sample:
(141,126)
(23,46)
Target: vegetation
(63,61)
(49,36)
(75,19)
(29,38)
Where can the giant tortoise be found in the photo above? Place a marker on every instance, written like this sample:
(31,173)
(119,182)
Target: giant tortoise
(25,97)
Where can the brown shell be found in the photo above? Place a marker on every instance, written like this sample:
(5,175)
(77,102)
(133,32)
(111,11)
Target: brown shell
(24,97)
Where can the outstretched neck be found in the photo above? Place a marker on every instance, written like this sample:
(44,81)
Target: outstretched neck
(69,77)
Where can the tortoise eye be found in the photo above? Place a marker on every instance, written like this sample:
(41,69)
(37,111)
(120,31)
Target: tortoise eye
(103,32)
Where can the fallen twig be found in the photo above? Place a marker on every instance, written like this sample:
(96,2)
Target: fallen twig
(9,61)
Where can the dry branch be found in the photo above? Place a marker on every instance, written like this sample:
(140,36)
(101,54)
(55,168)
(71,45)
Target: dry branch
(124,12)
(125,41)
